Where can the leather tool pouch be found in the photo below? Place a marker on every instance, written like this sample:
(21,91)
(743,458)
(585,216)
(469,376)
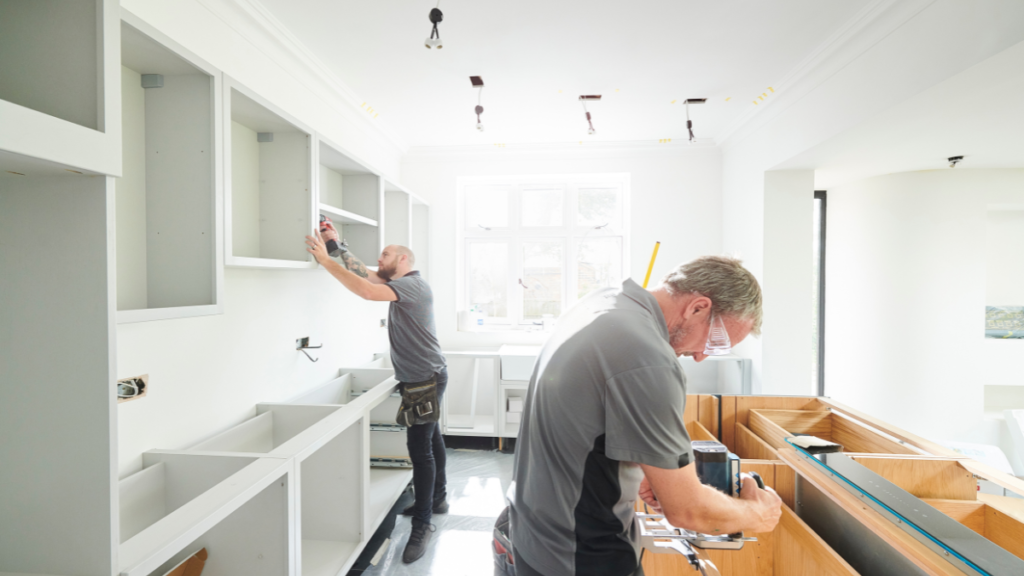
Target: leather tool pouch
(419,403)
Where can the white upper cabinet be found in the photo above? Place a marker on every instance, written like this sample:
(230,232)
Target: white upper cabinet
(60,97)
(349,194)
(269,174)
(169,256)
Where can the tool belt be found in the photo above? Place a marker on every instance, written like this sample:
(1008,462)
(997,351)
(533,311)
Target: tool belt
(419,403)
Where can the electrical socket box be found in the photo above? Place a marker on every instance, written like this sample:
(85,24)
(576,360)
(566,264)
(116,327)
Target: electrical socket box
(132,388)
(302,342)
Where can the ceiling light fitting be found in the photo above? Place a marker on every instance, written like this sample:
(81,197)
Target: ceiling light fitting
(478,82)
(583,101)
(689,123)
(434,41)
(954,160)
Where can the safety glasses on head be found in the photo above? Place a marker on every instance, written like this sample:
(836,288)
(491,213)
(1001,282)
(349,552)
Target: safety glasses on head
(718,343)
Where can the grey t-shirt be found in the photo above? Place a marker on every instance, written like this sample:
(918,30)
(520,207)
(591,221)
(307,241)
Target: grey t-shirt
(415,351)
(607,392)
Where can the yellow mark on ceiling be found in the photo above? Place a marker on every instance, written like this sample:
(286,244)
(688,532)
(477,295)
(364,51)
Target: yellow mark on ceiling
(616,89)
(375,115)
(664,140)
(559,91)
(729,98)
(363,105)
(772,89)
(672,102)
(755,102)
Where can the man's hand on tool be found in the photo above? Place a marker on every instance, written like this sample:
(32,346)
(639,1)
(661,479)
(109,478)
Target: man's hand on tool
(648,496)
(766,504)
(317,247)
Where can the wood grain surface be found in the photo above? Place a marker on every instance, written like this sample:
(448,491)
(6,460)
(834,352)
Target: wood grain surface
(939,478)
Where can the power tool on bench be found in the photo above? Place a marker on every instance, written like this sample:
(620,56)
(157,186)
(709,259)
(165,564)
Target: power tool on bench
(716,467)
(334,247)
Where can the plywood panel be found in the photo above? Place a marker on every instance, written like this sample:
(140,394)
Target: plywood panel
(905,544)
(898,433)
(707,413)
(1004,531)
(699,432)
(755,559)
(813,423)
(728,404)
(744,404)
(801,552)
(769,431)
(691,409)
(856,438)
(924,477)
(749,445)
(967,512)
(785,483)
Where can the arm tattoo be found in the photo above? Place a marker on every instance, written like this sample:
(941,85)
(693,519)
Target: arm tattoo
(354,265)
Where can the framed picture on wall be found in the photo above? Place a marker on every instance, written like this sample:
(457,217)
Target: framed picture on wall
(1004,322)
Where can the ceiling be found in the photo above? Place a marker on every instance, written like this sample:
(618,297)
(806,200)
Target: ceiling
(975,114)
(537,58)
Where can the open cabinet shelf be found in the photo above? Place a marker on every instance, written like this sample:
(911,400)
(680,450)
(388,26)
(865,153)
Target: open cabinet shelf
(168,199)
(269,167)
(267,432)
(235,507)
(350,195)
(386,485)
(59,93)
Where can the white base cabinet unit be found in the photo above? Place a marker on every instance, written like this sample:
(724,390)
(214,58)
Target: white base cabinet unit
(337,500)
(236,507)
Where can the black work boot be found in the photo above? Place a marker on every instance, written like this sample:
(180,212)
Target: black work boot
(440,507)
(418,540)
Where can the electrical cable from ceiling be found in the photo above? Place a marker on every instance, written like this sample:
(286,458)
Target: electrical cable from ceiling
(434,41)
(583,101)
(689,123)
(478,82)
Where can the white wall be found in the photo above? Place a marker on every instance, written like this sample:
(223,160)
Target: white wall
(906,296)
(788,255)
(675,194)
(893,53)
(207,373)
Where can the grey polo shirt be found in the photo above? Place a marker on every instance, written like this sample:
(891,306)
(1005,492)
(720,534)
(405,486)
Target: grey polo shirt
(415,350)
(607,392)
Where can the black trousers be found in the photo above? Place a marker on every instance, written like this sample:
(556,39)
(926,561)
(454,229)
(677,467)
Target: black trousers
(426,450)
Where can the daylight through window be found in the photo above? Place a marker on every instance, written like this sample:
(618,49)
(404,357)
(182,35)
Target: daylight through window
(530,247)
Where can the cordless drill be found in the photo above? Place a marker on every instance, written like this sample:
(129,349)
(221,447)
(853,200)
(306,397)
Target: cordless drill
(334,248)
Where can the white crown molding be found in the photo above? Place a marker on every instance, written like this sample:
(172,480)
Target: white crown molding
(869,27)
(253,21)
(644,148)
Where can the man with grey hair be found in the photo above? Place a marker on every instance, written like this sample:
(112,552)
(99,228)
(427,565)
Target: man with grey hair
(603,423)
(416,355)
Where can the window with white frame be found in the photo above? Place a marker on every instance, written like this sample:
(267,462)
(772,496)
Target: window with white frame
(533,246)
